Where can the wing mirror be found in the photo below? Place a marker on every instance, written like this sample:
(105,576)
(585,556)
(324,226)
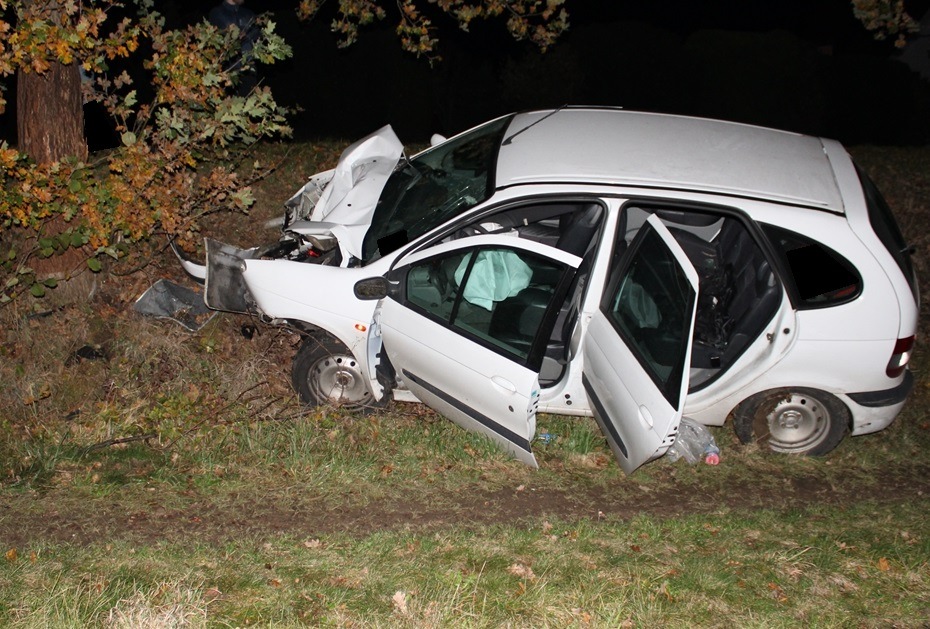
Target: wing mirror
(373,288)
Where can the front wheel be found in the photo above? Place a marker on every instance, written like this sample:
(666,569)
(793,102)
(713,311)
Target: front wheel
(793,421)
(324,371)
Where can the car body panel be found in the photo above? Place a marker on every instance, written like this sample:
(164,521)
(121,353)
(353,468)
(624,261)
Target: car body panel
(670,152)
(347,195)
(639,419)
(472,385)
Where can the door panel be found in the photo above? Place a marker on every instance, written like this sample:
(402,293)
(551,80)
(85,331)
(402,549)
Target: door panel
(467,331)
(467,383)
(638,346)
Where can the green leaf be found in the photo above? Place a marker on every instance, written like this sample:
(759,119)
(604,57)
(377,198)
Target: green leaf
(77,240)
(47,252)
(13,281)
(94,265)
(37,290)
(128,138)
(75,185)
(50,282)
(11,255)
(110,251)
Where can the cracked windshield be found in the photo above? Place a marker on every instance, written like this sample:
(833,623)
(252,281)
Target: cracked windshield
(431,188)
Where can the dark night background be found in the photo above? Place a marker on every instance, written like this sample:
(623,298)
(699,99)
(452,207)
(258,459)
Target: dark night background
(802,65)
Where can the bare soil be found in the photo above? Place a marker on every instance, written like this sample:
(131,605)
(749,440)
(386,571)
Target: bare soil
(57,517)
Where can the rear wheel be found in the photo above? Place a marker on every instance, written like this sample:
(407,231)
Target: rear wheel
(324,371)
(793,421)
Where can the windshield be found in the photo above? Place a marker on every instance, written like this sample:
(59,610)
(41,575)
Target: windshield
(435,186)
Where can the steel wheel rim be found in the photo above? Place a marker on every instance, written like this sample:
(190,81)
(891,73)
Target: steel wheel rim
(797,423)
(338,380)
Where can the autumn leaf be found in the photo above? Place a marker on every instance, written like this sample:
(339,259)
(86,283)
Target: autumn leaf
(883,564)
(11,555)
(522,571)
(777,593)
(399,600)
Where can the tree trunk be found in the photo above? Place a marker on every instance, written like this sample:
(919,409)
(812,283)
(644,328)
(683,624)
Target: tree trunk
(50,114)
(50,127)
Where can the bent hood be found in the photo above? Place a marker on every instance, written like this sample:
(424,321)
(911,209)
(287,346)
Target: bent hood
(346,196)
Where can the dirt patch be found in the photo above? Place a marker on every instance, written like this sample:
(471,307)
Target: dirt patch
(27,521)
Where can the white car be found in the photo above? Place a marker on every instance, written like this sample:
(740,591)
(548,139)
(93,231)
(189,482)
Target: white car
(590,261)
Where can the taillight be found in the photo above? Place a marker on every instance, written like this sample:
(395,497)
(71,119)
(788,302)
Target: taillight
(900,357)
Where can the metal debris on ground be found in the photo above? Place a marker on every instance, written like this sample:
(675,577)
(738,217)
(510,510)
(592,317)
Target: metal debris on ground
(167,300)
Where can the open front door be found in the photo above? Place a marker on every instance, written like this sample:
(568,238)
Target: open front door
(638,347)
(469,328)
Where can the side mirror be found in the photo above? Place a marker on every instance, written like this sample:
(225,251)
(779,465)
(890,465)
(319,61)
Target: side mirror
(436,139)
(372,288)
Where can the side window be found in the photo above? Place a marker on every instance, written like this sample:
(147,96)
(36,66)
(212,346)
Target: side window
(821,276)
(649,303)
(500,297)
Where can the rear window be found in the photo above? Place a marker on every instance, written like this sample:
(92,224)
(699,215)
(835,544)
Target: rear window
(821,276)
(886,228)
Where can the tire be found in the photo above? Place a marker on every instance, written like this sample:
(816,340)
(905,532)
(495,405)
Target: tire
(792,421)
(324,371)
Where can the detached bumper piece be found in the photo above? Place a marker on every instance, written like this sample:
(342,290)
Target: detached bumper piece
(167,300)
(225,286)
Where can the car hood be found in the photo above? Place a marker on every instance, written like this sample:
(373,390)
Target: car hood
(342,200)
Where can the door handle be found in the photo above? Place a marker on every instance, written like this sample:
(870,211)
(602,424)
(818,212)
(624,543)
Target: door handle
(646,416)
(504,383)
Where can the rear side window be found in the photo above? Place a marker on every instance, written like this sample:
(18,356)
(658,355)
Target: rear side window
(821,277)
(886,228)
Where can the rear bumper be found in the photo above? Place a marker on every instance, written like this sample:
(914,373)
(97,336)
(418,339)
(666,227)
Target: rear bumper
(875,410)
(888,397)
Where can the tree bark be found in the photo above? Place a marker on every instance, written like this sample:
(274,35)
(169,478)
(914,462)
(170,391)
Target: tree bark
(50,114)
(50,127)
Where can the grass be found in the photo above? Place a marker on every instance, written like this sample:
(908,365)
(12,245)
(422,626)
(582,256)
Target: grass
(859,566)
(178,482)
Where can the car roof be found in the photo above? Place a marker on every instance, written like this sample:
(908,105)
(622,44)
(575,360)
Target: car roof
(617,147)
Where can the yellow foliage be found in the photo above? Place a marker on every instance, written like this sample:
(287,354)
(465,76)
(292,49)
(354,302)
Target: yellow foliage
(156,183)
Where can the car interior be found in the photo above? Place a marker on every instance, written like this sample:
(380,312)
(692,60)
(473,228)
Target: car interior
(512,322)
(739,293)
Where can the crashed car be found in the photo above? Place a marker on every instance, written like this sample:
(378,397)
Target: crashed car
(632,266)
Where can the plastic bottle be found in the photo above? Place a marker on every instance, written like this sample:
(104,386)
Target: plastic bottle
(712,454)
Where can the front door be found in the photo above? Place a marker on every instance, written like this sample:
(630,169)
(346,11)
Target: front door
(469,327)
